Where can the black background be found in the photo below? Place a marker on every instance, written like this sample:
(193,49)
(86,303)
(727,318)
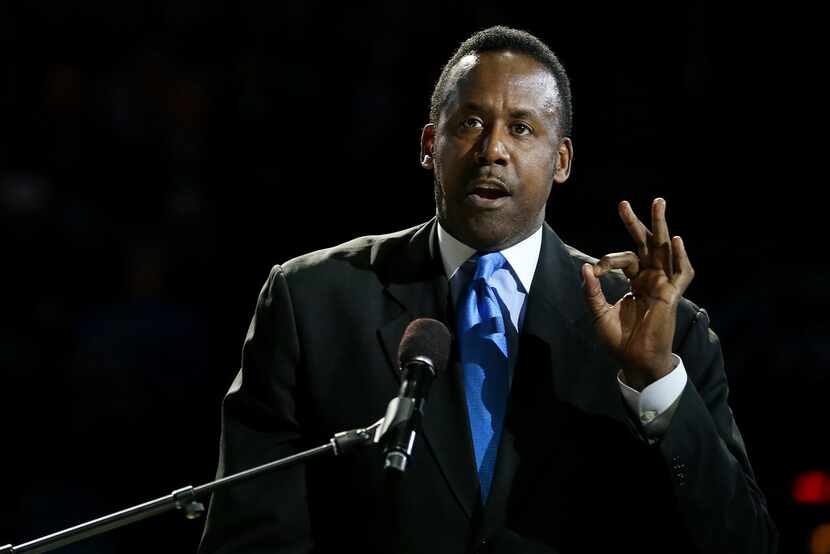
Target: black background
(157,158)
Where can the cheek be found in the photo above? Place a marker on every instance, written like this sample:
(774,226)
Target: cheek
(541,169)
(448,161)
(536,174)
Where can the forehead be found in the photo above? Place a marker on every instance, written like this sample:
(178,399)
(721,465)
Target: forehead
(502,80)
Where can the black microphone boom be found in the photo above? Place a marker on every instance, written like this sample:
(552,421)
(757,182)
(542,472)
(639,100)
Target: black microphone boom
(423,354)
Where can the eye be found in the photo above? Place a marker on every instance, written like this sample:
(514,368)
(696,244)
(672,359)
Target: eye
(521,129)
(471,123)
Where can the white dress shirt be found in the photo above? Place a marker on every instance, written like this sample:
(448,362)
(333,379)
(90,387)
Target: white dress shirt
(653,406)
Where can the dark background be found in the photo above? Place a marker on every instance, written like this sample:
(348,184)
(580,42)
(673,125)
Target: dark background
(157,158)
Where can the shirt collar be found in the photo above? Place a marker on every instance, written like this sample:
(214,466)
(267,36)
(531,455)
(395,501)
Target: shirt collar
(522,256)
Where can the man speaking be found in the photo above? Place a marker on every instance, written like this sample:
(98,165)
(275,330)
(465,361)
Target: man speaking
(584,406)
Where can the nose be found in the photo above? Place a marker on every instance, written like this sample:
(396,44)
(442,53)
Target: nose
(491,148)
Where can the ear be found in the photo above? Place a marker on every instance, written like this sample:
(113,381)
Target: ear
(427,144)
(564,158)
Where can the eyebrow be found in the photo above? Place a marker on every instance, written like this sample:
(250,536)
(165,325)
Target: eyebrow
(517,113)
(523,113)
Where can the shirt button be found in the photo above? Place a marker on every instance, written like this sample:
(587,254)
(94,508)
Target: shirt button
(648,416)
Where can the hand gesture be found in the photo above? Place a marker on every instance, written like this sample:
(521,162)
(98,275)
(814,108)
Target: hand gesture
(638,330)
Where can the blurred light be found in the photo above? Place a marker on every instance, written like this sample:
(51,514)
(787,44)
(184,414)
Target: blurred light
(812,487)
(820,539)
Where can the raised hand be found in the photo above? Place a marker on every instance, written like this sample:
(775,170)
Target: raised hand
(638,329)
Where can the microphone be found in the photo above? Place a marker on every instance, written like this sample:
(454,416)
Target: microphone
(423,354)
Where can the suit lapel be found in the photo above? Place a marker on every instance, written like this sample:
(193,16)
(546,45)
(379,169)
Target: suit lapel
(417,287)
(583,374)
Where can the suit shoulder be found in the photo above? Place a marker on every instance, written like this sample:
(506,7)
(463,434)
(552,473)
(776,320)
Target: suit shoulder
(614,283)
(359,254)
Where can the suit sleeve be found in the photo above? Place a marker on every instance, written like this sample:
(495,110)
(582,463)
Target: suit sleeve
(721,505)
(259,424)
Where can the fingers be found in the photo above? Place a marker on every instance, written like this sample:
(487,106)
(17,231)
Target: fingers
(593,292)
(658,221)
(629,262)
(653,245)
(660,244)
(636,229)
(656,249)
(684,271)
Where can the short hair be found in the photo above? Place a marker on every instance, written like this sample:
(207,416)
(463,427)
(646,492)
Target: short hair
(499,38)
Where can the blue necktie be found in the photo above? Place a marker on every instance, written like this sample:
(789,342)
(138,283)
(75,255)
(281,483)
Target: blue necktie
(482,342)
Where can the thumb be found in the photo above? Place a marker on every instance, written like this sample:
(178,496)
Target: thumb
(593,292)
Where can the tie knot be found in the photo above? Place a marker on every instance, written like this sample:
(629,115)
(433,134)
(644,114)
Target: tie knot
(487,264)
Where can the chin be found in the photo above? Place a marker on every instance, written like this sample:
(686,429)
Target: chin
(487,234)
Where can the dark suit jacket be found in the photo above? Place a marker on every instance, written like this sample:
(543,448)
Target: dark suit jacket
(574,472)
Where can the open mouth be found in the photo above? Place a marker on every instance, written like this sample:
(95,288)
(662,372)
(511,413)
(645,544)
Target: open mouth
(488,189)
(489,193)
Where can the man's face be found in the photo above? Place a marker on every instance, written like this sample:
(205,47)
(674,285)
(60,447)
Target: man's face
(495,150)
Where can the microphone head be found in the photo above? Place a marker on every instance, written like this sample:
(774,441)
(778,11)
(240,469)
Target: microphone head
(427,338)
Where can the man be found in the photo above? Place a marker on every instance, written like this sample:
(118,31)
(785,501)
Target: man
(584,408)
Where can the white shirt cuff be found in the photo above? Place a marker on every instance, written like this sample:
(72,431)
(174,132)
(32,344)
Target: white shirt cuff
(656,399)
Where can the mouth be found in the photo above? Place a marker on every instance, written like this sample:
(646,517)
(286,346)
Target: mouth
(487,192)
(489,188)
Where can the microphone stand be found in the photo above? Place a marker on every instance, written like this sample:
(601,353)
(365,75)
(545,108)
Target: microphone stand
(185,498)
